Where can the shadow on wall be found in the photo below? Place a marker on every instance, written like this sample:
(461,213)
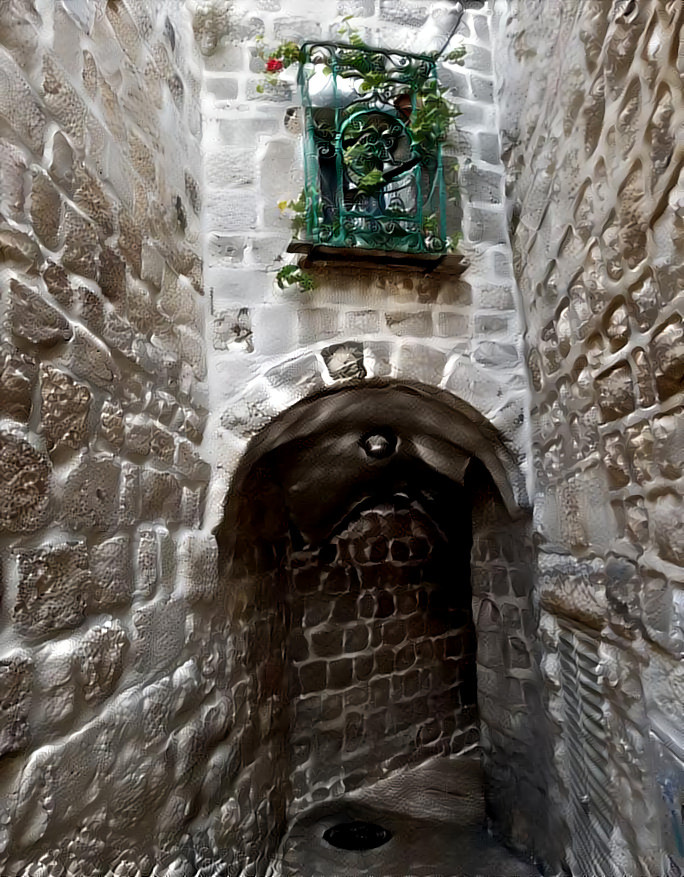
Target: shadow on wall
(378,570)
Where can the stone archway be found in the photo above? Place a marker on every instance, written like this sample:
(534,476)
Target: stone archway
(370,540)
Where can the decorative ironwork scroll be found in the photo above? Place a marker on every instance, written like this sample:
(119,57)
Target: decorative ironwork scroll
(375,120)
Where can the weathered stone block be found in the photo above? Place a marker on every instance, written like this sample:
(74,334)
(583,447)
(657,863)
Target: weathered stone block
(35,319)
(19,106)
(89,359)
(112,274)
(667,513)
(147,562)
(344,361)
(91,495)
(99,660)
(160,634)
(161,496)
(615,392)
(17,377)
(407,323)
(233,330)
(16,673)
(65,407)
(112,423)
(46,209)
(668,353)
(54,585)
(63,101)
(198,567)
(13,167)
(111,573)
(24,485)
(421,363)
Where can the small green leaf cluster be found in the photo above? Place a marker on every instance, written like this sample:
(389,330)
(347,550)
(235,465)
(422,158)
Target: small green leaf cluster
(293,275)
(297,210)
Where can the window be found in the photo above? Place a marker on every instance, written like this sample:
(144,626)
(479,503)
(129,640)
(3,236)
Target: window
(374,123)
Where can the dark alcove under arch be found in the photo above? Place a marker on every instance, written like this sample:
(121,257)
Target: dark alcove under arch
(362,549)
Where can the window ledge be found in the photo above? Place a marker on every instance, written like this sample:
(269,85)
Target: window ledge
(439,263)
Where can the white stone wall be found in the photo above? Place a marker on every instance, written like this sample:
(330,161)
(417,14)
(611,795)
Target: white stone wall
(591,105)
(272,347)
(107,681)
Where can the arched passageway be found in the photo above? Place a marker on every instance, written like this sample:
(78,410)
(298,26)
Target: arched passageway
(374,548)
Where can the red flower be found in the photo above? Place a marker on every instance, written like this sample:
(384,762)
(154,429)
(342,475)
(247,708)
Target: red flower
(274,65)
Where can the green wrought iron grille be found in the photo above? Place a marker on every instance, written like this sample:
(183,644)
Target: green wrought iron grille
(374,120)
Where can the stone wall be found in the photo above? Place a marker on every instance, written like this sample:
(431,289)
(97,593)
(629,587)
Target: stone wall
(107,673)
(272,347)
(590,101)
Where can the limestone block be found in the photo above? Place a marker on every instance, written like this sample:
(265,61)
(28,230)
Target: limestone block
(111,573)
(234,212)
(35,319)
(409,323)
(90,197)
(91,495)
(81,246)
(644,295)
(496,355)
(91,309)
(616,461)
(668,353)
(160,635)
(112,274)
(617,327)
(644,378)
(179,302)
(192,505)
(640,446)
(46,209)
(422,363)
(112,423)
(17,378)
(233,330)
(615,392)
(65,409)
(344,361)
(161,496)
(668,435)
(63,101)
(162,443)
(16,673)
(119,335)
(192,350)
(666,517)
(140,309)
(365,322)
(19,248)
(19,106)
(58,284)
(24,485)
(99,660)
(89,359)
(13,167)
(189,462)
(301,377)
(130,242)
(54,584)
(197,567)
(636,522)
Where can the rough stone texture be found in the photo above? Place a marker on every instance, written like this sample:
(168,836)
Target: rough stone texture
(590,103)
(24,485)
(99,154)
(65,406)
(53,588)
